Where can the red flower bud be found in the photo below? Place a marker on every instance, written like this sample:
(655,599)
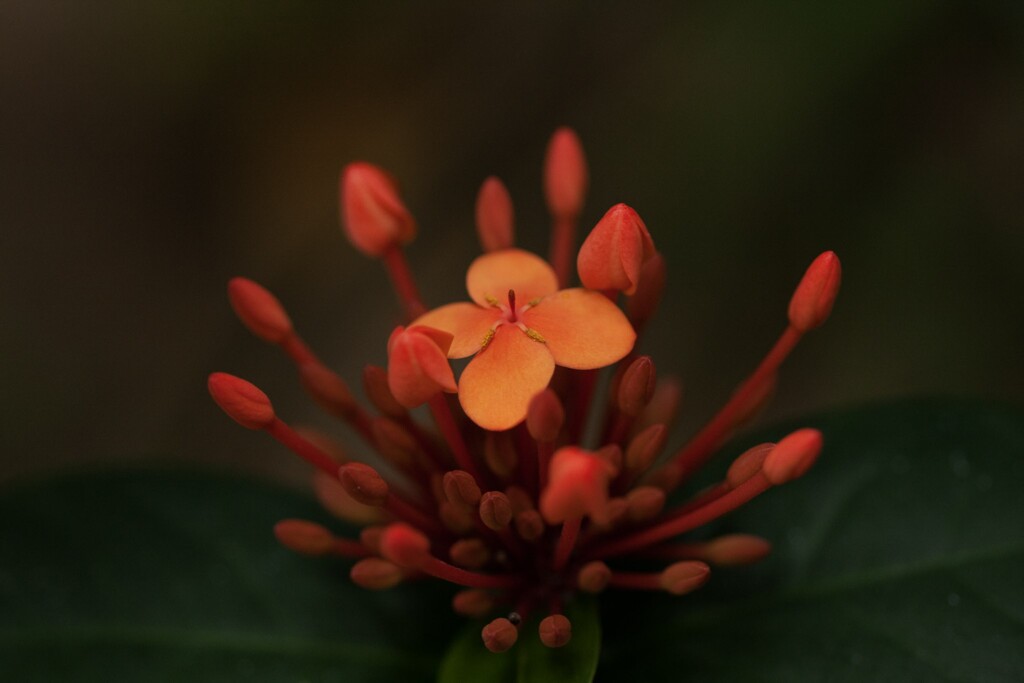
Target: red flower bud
(404,546)
(684,577)
(555,631)
(615,251)
(577,486)
(494,216)
(375,574)
(499,635)
(243,402)
(363,483)
(793,456)
(812,301)
(374,217)
(565,174)
(307,538)
(259,310)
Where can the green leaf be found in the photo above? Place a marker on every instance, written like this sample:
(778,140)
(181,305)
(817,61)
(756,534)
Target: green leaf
(897,558)
(529,661)
(167,576)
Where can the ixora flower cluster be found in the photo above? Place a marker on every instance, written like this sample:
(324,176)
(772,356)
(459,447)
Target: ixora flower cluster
(501,496)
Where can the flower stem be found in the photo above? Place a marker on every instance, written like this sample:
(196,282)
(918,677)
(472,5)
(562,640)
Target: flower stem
(404,284)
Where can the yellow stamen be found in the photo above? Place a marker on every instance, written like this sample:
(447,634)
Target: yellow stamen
(492,301)
(487,339)
(535,336)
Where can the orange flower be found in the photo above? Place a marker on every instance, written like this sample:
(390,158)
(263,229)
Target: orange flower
(520,327)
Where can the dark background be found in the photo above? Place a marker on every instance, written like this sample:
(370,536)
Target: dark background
(149,151)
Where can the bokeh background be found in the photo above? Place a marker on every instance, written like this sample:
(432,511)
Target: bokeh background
(149,151)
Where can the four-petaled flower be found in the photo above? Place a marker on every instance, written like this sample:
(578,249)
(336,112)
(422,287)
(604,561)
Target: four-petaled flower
(520,327)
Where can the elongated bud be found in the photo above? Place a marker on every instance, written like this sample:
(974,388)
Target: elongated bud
(814,296)
(555,631)
(363,483)
(373,215)
(418,366)
(637,386)
(577,486)
(519,499)
(644,448)
(370,537)
(301,536)
(474,603)
(335,499)
(642,306)
(375,384)
(327,389)
(394,441)
(461,488)
(458,518)
(471,553)
(545,416)
(565,174)
(404,546)
(645,502)
(529,525)
(736,549)
(499,635)
(593,577)
(684,577)
(495,510)
(243,402)
(611,454)
(500,453)
(748,464)
(615,251)
(664,405)
(259,310)
(793,456)
(494,216)
(375,574)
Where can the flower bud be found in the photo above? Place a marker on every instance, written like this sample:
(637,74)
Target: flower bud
(615,251)
(375,384)
(736,549)
(565,174)
(529,525)
(494,216)
(335,499)
(395,442)
(471,553)
(495,510)
(644,303)
(457,518)
(474,603)
(544,416)
(301,536)
(748,464)
(645,502)
(644,448)
(500,453)
(555,631)
(404,546)
(363,483)
(499,635)
(593,577)
(259,310)
(327,389)
(814,296)
(418,366)
(793,456)
(375,574)
(577,485)
(684,577)
(637,386)
(243,402)
(373,215)
(461,488)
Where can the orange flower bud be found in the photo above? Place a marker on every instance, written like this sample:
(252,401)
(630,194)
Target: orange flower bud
(404,546)
(471,553)
(793,456)
(565,174)
(637,386)
(373,215)
(545,416)
(474,603)
(301,536)
(418,365)
(736,549)
(495,510)
(644,448)
(243,402)
(615,251)
(814,296)
(494,216)
(327,389)
(577,486)
(645,502)
(684,577)
(363,483)
(593,577)
(461,488)
(259,310)
(499,635)
(555,631)
(748,464)
(375,574)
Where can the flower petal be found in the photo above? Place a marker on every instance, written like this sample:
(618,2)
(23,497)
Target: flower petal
(582,328)
(492,275)
(496,387)
(467,323)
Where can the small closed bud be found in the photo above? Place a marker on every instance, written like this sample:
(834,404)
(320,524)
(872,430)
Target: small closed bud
(519,498)
(363,483)
(500,453)
(301,536)
(418,366)
(335,499)
(457,518)
(375,384)
(243,402)
(495,510)
(394,441)
(529,525)
(814,296)
(475,603)
(565,174)
(370,537)
(471,553)
(642,306)
(615,251)
(494,216)
(461,488)
(499,635)
(555,631)
(373,215)
(545,416)
(683,577)
(645,502)
(593,577)
(736,549)
(664,405)
(259,310)
(637,386)
(616,512)
(577,485)
(748,464)
(611,454)
(327,389)
(793,456)
(375,574)
(644,448)
(404,545)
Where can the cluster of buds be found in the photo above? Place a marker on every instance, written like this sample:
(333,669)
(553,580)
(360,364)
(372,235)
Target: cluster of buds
(505,492)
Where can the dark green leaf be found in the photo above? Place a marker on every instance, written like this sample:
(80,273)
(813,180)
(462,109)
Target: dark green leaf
(172,577)
(529,661)
(898,558)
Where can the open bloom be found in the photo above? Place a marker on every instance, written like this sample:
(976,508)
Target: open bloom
(523,519)
(520,327)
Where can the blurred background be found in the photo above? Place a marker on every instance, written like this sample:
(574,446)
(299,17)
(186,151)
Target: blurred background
(150,151)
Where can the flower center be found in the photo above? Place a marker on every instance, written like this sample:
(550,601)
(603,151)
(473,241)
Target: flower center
(511,315)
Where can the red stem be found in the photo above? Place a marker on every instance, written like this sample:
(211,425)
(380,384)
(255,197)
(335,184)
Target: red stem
(563,238)
(442,570)
(403,282)
(291,440)
(566,542)
(446,423)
